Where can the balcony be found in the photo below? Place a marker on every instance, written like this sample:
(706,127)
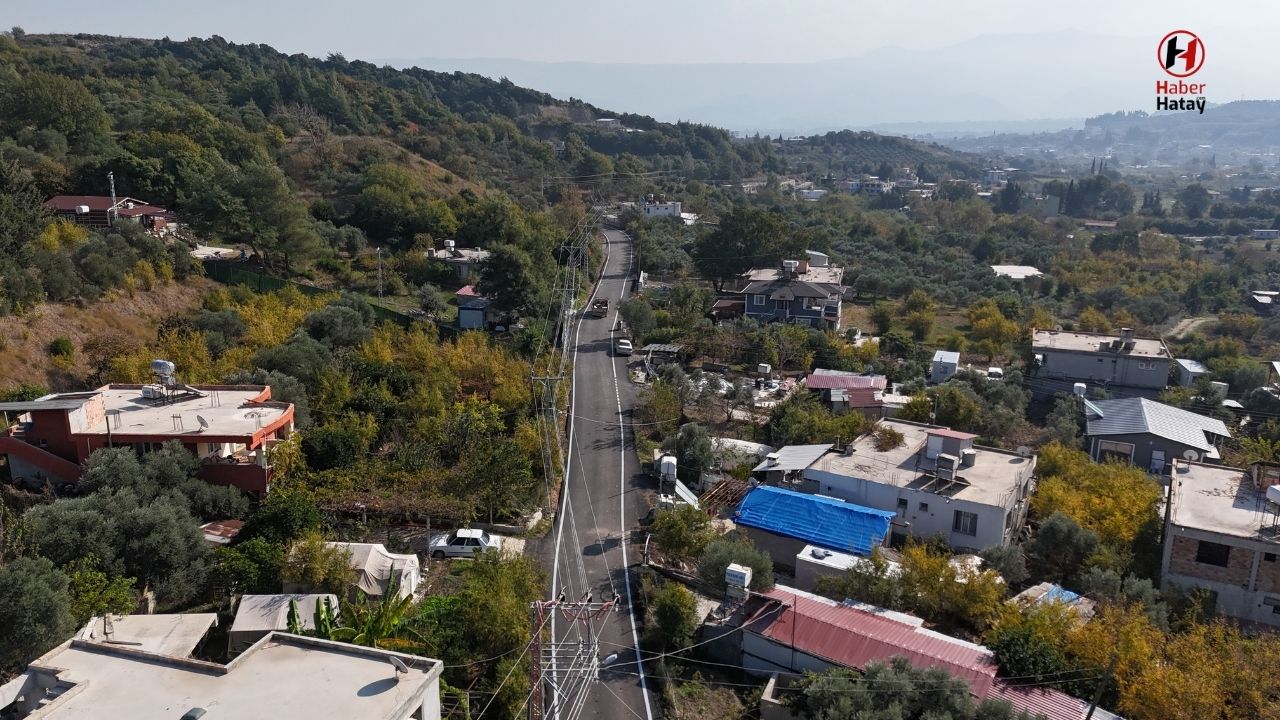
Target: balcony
(240,471)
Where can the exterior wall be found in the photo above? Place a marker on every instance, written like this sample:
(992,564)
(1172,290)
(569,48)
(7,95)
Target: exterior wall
(471,319)
(807,573)
(794,312)
(1248,588)
(938,519)
(1103,368)
(49,430)
(1186,378)
(247,477)
(1143,445)
(781,548)
(762,656)
(940,372)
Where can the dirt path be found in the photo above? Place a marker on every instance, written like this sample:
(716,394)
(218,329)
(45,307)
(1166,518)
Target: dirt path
(1186,325)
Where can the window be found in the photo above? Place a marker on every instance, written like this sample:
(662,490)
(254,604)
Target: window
(966,523)
(902,503)
(1111,450)
(1212,553)
(1269,557)
(781,304)
(924,507)
(757,299)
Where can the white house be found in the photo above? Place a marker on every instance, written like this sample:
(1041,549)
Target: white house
(945,364)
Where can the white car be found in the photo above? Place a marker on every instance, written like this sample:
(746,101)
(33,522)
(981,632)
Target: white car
(463,543)
(622,347)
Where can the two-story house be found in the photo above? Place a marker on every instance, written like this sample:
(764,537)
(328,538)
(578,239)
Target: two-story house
(1150,434)
(1222,533)
(797,292)
(1062,358)
(936,481)
(229,427)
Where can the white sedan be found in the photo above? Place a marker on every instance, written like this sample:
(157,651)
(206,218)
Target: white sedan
(463,543)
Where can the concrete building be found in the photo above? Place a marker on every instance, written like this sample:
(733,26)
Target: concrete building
(100,211)
(945,364)
(784,466)
(656,209)
(783,522)
(229,427)
(1223,534)
(1150,434)
(1189,371)
(465,262)
(280,677)
(1120,361)
(795,292)
(844,392)
(937,482)
(257,615)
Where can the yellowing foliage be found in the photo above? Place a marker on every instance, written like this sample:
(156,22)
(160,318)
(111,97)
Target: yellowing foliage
(61,236)
(1113,500)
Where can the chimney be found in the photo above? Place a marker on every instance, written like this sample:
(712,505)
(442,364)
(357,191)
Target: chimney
(1126,334)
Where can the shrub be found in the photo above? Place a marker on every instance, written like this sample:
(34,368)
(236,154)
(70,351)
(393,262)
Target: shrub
(887,438)
(62,347)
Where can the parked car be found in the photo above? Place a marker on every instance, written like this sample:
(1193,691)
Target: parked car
(622,347)
(463,543)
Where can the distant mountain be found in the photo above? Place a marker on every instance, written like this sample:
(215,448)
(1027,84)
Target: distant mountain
(989,78)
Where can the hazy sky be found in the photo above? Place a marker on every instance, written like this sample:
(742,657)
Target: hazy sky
(643,31)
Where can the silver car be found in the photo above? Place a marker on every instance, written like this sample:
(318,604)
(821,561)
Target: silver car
(463,543)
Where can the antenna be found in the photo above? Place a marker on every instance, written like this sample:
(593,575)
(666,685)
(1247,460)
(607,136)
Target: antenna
(204,424)
(399,665)
(1191,455)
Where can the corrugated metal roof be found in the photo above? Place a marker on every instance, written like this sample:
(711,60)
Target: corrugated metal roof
(1052,704)
(1194,366)
(794,457)
(947,356)
(1136,416)
(856,397)
(822,521)
(830,380)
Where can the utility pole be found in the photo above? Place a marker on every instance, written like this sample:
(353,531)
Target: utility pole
(379,273)
(113,214)
(1102,685)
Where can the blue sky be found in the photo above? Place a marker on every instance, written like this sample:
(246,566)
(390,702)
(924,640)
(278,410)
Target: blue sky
(648,31)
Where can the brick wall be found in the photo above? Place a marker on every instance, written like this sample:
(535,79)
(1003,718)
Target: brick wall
(1183,562)
(1269,573)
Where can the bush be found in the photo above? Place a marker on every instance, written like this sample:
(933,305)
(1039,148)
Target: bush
(673,618)
(62,347)
(887,438)
(719,554)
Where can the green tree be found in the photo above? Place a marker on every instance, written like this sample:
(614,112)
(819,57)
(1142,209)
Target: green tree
(1060,547)
(683,532)
(40,100)
(673,618)
(637,313)
(746,237)
(318,566)
(509,279)
(874,581)
(500,475)
(720,553)
(21,213)
(882,315)
(894,691)
(95,593)
(1194,199)
(285,516)
(252,566)
(432,300)
(692,449)
(37,610)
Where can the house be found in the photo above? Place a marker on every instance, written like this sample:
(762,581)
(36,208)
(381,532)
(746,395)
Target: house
(1016,272)
(1222,533)
(811,194)
(1266,302)
(476,313)
(101,211)
(994,177)
(229,427)
(1189,371)
(258,615)
(1265,234)
(785,465)
(786,630)
(375,569)
(945,364)
(936,482)
(129,672)
(844,392)
(651,208)
(465,262)
(1112,361)
(796,292)
(782,522)
(1150,434)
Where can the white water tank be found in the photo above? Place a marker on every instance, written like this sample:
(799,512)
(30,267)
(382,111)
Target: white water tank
(449,244)
(1079,389)
(764,369)
(1273,494)
(162,367)
(667,467)
(737,578)
(82,209)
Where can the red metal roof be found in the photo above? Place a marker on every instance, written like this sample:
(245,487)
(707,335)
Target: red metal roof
(467,291)
(824,381)
(862,398)
(852,637)
(102,203)
(947,433)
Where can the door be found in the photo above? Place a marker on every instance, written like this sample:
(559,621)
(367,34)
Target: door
(1157,462)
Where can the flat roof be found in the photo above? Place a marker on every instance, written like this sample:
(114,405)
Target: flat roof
(281,676)
(172,635)
(460,255)
(815,274)
(1089,343)
(946,356)
(1219,499)
(271,612)
(1017,272)
(229,410)
(992,477)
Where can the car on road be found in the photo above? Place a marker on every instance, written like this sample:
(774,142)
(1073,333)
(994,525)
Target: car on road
(464,543)
(622,347)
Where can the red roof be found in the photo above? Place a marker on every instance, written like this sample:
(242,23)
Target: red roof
(852,637)
(826,381)
(863,398)
(102,203)
(221,532)
(728,304)
(467,291)
(948,433)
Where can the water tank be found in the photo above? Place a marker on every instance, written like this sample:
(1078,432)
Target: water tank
(738,576)
(968,457)
(162,367)
(449,244)
(790,265)
(1078,389)
(153,392)
(82,209)
(667,467)
(764,369)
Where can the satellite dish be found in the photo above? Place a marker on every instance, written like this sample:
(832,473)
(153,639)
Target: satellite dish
(1024,451)
(398,664)
(204,424)
(1191,455)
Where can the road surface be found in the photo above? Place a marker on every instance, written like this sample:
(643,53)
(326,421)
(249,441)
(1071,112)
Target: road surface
(603,496)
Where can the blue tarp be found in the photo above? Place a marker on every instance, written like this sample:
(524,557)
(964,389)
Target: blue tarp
(825,522)
(1060,594)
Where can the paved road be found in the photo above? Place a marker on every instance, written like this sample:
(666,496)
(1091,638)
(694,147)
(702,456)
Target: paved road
(603,497)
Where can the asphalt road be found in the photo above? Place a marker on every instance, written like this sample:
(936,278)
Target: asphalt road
(603,497)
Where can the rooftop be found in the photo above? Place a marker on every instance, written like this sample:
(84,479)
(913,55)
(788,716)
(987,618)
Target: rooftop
(947,356)
(281,676)
(819,520)
(221,532)
(1133,416)
(792,457)
(1017,272)
(1096,343)
(821,379)
(827,274)
(459,255)
(993,477)
(175,635)
(1219,499)
(1194,366)
(125,206)
(271,612)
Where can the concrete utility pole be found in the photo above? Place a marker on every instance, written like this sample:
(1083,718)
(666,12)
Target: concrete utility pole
(113,214)
(379,273)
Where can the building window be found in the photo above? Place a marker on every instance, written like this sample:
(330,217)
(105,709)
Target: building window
(1212,553)
(966,523)
(1269,557)
(780,304)
(924,507)
(1110,450)
(902,503)
(757,299)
